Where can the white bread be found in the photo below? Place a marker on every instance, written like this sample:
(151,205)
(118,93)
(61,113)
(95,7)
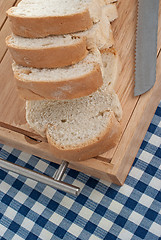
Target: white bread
(77,129)
(62,50)
(37,18)
(100,34)
(70,82)
(49,52)
(110,11)
(112,67)
(48,89)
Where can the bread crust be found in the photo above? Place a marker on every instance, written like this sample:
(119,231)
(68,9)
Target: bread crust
(49,57)
(99,145)
(67,89)
(35,27)
(110,1)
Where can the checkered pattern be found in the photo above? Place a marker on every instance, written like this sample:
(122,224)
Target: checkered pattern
(30,210)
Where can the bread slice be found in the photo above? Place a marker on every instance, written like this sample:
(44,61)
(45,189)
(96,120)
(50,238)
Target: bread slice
(70,82)
(100,34)
(49,52)
(112,67)
(110,11)
(77,129)
(62,50)
(37,18)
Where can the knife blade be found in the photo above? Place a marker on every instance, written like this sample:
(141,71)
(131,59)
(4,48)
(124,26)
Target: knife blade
(146,46)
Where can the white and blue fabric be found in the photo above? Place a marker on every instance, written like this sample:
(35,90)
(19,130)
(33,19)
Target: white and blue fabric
(31,210)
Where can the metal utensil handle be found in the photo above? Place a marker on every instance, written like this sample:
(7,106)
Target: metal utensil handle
(60,171)
(68,188)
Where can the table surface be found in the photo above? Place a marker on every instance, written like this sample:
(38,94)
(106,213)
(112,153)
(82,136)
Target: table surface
(115,164)
(31,210)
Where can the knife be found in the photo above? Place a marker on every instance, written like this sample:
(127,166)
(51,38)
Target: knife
(146,46)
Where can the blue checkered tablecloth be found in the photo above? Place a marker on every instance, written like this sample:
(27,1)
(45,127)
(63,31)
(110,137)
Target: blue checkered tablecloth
(31,210)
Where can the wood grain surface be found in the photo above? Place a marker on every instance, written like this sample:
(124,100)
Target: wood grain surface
(115,164)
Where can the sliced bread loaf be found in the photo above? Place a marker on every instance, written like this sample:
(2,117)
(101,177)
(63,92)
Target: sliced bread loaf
(70,82)
(77,129)
(62,50)
(37,18)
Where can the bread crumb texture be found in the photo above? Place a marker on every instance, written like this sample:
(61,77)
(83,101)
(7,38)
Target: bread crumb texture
(72,123)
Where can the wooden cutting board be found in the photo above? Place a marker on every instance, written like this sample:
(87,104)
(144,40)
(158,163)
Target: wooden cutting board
(115,164)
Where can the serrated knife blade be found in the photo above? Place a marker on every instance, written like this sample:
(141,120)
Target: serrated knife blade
(146,46)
